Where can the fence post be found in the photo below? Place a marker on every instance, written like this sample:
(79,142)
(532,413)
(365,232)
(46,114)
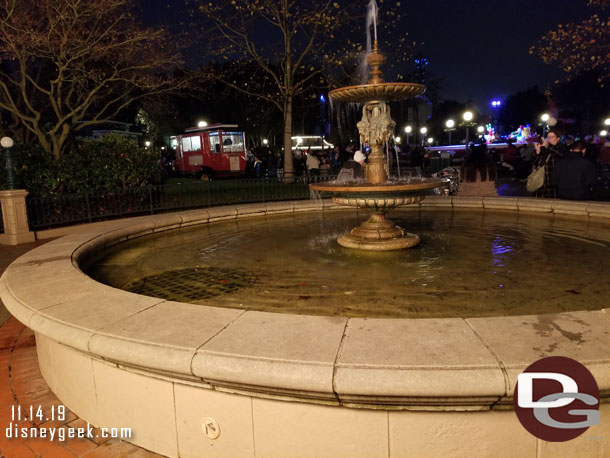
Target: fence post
(88,207)
(263,190)
(150,196)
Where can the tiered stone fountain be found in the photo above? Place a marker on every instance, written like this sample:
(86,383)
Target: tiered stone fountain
(377,193)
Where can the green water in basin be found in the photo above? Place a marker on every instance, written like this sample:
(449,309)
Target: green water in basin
(469,264)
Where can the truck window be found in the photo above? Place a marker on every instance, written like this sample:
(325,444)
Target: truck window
(232,142)
(214,142)
(191,143)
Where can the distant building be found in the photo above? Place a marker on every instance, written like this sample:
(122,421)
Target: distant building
(123,129)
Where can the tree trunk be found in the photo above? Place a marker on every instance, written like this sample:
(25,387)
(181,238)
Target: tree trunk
(288,165)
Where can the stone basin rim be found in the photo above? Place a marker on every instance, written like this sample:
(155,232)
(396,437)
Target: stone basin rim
(307,376)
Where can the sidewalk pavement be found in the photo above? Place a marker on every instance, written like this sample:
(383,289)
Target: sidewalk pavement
(22,387)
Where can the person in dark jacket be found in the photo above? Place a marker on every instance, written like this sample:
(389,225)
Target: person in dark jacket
(574,175)
(548,152)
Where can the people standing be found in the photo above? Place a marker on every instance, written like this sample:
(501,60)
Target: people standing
(313,163)
(574,175)
(258,167)
(298,158)
(478,174)
(335,161)
(548,151)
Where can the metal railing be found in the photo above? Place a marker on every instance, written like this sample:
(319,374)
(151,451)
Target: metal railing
(65,209)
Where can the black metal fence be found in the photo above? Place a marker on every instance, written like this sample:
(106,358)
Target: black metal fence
(65,209)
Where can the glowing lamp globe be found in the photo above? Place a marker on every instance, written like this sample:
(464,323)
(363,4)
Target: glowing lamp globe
(7,142)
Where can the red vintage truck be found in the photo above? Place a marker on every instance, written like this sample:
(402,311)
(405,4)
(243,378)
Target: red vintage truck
(213,151)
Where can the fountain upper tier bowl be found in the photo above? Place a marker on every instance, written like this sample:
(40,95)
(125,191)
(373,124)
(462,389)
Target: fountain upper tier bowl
(386,92)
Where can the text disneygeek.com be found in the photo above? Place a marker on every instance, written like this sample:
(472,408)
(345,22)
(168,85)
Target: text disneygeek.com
(14,431)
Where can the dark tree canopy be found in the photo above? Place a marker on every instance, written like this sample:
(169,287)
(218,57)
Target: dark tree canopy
(579,47)
(71,64)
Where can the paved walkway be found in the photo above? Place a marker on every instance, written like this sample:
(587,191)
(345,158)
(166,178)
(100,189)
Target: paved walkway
(22,387)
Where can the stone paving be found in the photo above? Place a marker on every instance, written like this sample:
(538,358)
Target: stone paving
(22,387)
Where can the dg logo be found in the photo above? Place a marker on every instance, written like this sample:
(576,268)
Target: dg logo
(557,399)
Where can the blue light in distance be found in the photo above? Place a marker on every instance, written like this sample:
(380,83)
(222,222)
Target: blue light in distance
(496,103)
(322,98)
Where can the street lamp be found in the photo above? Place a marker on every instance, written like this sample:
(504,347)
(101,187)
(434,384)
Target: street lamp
(11,180)
(397,140)
(430,140)
(603,133)
(450,123)
(202,124)
(423,131)
(545,119)
(147,143)
(408,130)
(607,122)
(265,141)
(467,116)
(481,130)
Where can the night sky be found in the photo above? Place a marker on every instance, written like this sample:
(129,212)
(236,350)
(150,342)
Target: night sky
(477,48)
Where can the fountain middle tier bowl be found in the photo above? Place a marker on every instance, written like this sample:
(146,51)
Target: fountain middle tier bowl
(382,91)
(381,196)
(408,185)
(378,233)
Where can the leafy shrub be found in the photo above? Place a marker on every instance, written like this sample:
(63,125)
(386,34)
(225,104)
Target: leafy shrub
(111,162)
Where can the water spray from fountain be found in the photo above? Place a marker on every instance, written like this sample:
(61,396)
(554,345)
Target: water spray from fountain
(371,20)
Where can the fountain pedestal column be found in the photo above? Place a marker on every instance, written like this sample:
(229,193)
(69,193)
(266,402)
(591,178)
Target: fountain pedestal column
(378,234)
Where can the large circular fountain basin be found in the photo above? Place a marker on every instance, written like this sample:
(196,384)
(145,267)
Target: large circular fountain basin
(281,384)
(382,91)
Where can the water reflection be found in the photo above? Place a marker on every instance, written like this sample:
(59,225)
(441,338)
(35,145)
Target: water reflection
(465,265)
